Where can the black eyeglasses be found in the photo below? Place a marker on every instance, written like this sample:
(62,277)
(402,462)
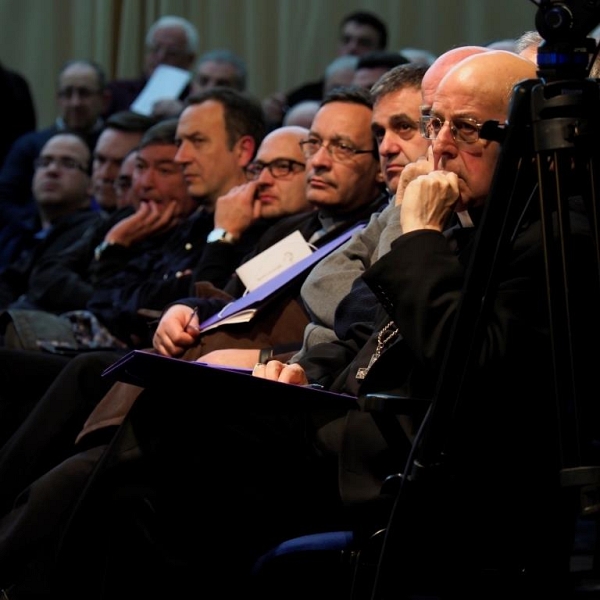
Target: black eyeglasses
(463,129)
(280,167)
(62,162)
(339,150)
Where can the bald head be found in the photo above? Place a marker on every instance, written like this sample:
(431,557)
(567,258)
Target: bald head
(287,137)
(302,113)
(442,65)
(281,194)
(472,77)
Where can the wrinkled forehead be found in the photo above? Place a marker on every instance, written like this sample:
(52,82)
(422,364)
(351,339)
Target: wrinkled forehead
(404,101)
(343,120)
(459,94)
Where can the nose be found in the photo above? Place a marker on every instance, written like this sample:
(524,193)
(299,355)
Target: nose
(182,155)
(145,179)
(265,178)
(321,158)
(388,144)
(444,144)
(75,98)
(444,141)
(352,48)
(102,170)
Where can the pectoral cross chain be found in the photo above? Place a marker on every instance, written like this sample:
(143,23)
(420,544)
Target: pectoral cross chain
(385,336)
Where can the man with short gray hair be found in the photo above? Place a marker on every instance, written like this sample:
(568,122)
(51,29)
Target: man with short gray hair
(172,41)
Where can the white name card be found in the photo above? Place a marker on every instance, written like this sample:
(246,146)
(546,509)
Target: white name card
(273,260)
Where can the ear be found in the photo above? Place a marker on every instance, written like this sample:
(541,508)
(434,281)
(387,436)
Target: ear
(379,177)
(245,148)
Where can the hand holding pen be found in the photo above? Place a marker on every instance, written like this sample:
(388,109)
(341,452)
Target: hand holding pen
(176,331)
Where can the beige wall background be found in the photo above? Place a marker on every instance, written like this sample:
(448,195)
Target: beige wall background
(284,42)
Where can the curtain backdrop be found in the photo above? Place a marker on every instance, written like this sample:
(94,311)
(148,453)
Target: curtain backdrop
(284,42)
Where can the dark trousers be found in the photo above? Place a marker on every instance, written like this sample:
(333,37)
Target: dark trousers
(43,411)
(196,492)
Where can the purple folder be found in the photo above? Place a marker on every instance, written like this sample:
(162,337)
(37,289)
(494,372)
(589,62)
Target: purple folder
(274,284)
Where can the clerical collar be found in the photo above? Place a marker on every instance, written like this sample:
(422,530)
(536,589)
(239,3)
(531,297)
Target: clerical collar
(465,219)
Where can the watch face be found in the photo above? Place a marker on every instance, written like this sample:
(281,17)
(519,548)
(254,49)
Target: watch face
(216,235)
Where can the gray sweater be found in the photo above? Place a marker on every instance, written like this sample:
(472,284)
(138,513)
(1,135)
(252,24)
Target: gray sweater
(331,280)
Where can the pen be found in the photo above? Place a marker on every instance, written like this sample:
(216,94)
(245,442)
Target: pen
(194,312)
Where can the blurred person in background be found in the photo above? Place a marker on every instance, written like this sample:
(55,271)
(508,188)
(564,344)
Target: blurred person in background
(172,41)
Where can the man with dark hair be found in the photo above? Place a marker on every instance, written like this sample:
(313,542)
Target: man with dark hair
(218,122)
(395,125)
(81,97)
(121,133)
(362,32)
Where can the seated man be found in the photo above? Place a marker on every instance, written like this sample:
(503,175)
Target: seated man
(215,68)
(62,191)
(170,40)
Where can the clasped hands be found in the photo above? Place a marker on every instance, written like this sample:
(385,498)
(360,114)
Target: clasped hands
(427,195)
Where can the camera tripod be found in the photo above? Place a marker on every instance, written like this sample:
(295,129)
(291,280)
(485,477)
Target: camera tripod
(548,167)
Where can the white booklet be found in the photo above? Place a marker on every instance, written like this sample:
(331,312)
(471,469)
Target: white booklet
(165,83)
(273,260)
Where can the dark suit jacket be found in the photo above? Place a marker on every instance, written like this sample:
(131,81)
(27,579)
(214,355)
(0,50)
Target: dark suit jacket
(16,278)
(498,448)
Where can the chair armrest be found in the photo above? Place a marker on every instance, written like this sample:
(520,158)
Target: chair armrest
(385,410)
(397,405)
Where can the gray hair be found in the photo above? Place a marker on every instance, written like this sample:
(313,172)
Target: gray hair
(191,33)
(528,39)
(227,56)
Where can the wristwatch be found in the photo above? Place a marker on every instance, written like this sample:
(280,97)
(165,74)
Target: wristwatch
(220,235)
(101,248)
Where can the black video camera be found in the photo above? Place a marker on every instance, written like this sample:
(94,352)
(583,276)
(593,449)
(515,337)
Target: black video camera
(567,52)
